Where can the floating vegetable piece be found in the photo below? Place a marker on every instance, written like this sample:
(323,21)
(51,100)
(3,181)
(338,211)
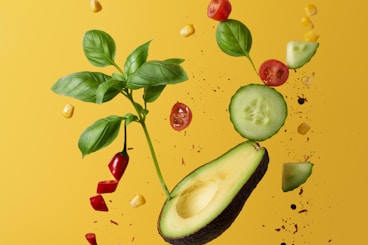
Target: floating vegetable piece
(298,53)
(295,174)
(180,116)
(107,186)
(303,128)
(68,111)
(91,238)
(311,36)
(273,72)
(95,6)
(257,111)
(118,164)
(137,201)
(187,30)
(307,80)
(207,201)
(219,10)
(310,10)
(98,203)
(306,21)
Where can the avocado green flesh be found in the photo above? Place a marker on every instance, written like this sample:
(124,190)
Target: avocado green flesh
(207,201)
(295,174)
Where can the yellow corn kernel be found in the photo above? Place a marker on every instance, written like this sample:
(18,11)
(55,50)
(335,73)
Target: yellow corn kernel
(68,111)
(306,21)
(311,36)
(307,80)
(187,30)
(310,10)
(95,6)
(303,128)
(137,201)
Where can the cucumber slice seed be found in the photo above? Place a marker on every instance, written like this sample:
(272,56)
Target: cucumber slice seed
(298,53)
(295,174)
(257,111)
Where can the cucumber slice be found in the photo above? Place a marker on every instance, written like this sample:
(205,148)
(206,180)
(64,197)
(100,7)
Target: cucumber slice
(257,111)
(295,174)
(299,53)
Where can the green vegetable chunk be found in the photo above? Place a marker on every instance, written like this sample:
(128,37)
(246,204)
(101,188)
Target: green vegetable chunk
(299,53)
(295,174)
(206,202)
(257,111)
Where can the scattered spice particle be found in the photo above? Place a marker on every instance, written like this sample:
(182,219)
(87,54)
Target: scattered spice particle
(293,206)
(303,211)
(114,222)
(182,161)
(301,189)
(296,228)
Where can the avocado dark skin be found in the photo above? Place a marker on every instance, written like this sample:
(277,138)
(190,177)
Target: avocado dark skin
(223,221)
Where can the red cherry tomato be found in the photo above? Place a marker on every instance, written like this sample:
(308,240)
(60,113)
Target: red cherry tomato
(180,116)
(219,10)
(273,72)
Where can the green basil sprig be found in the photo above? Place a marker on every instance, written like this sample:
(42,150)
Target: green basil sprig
(234,38)
(96,87)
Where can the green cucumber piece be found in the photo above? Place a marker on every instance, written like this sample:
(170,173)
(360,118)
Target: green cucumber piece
(295,174)
(257,111)
(299,53)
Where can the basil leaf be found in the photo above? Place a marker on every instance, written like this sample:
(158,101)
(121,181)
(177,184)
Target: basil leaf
(100,134)
(137,58)
(152,93)
(99,48)
(233,38)
(83,86)
(110,86)
(155,73)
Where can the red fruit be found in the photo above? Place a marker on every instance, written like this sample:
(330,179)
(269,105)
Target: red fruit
(98,203)
(118,164)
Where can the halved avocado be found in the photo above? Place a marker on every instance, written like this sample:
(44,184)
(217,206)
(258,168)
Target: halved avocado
(207,201)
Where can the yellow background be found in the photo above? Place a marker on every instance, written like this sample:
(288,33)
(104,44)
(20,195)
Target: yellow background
(45,184)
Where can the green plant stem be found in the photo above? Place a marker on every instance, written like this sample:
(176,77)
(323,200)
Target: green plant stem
(157,167)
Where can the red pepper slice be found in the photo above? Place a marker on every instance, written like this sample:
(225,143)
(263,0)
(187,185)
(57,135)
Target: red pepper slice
(91,238)
(98,203)
(107,186)
(118,164)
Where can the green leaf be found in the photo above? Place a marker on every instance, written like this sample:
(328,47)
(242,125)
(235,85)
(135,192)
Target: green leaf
(155,73)
(99,48)
(137,58)
(110,86)
(83,86)
(233,38)
(152,93)
(100,134)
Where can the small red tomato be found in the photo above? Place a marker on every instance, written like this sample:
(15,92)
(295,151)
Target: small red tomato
(91,238)
(180,116)
(98,203)
(107,186)
(219,10)
(118,164)
(273,72)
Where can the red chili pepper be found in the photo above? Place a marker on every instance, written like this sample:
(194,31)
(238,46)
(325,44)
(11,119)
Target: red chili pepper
(120,161)
(118,164)
(91,238)
(98,203)
(107,186)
